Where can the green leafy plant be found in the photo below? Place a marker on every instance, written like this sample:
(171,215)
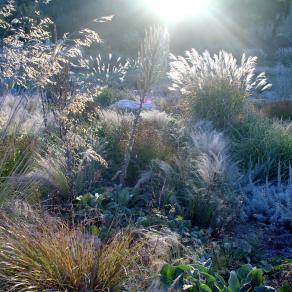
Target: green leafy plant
(197,277)
(106,97)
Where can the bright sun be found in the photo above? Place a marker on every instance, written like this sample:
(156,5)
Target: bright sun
(174,10)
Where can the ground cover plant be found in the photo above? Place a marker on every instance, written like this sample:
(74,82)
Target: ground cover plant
(153,171)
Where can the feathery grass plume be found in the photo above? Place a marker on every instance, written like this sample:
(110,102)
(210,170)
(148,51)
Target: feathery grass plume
(16,161)
(209,176)
(18,146)
(108,70)
(152,63)
(216,87)
(40,253)
(21,114)
(50,171)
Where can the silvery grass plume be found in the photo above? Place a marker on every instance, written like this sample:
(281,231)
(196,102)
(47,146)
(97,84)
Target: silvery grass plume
(208,149)
(195,71)
(21,114)
(111,119)
(114,120)
(156,119)
(49,172)
(108,70)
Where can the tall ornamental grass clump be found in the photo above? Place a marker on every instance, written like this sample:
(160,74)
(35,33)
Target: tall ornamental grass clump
(42,253)
(216,87)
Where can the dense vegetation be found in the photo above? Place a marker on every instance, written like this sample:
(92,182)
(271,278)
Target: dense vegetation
(127,167)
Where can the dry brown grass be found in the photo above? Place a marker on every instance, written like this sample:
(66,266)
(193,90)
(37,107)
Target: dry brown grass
(44,253)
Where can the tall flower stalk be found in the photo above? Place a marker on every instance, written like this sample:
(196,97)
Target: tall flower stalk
(152,64)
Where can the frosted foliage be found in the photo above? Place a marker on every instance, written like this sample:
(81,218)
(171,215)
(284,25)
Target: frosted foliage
(269,203)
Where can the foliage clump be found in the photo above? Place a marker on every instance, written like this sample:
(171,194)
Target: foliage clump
(45,253)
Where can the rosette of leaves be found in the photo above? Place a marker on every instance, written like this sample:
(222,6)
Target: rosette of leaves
(200,277)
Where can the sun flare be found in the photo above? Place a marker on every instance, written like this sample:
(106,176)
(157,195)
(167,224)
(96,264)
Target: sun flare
(174,10)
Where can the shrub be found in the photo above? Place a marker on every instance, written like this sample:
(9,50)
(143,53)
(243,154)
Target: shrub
(279,109)
(44,253)
(108,96)
(216,87)
(105,98)
(259,140)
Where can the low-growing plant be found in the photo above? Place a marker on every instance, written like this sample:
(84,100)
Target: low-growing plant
(43,253)
(270,202)
(197,277)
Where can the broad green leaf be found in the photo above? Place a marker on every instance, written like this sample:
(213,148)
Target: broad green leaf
(205,288)
(184,268)
(202,269)
(210,279)
(256,275)
(221,280)
(233,282)
(167,272)
(243,271)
